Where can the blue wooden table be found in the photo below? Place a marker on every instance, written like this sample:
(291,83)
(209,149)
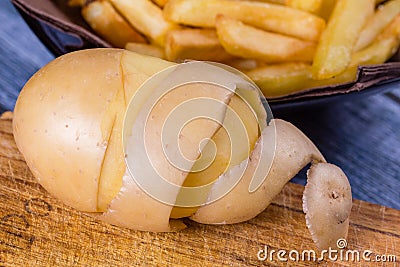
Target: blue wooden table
(362,136)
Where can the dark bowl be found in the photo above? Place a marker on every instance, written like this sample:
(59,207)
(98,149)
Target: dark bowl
(62,29)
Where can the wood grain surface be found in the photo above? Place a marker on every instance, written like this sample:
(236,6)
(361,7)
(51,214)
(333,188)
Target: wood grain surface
(38,230)
(361,136)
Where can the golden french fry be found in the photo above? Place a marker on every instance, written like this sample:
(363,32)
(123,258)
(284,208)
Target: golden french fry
(326,9)
(248,42)
(197,44)
(270,17)
(160,3)
(306,5)
(104,20)
(76,2)
(146,49)
(335,47)
(378,2)
(282,79)
(380,20)
(383,48)
(279,2)
(244,64)
(146,17)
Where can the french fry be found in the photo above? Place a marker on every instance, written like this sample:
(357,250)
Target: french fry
(197,44)
(311,6)
(335,47)
(378,2)
(326,9)
(248,42)
(75,3)
(104,20)
(146,49)
(146,17)
(382,48)
(282,79)
(382,17)
(244,64)
(270,17)
(160,3)
(279,2)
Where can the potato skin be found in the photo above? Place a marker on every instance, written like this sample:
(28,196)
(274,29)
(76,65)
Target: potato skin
(61,124)
(293,151)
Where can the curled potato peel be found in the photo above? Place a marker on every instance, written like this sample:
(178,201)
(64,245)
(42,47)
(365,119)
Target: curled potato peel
(192,141)
(327,203)
(293,151)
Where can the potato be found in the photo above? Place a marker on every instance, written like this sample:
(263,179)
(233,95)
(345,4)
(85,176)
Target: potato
(71,126)
(326,9)
(58,126)
(248,42)
(379,21)
(289,142)
(282,79)
(86,134)
(146,17)
(269,17)
(335,47)
(146,49)
(105,20)
(191,141)
(327,190)
(307,5)
(196,44)
(224,158)
(161,3)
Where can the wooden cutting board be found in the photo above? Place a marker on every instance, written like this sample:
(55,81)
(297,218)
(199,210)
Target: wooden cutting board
(38,230)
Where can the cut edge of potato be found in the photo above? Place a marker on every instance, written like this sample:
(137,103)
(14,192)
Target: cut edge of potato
(241,104)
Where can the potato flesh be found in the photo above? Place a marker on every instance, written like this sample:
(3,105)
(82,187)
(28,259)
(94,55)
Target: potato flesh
(152,214)
(137,69)
(223,160)
(114,167)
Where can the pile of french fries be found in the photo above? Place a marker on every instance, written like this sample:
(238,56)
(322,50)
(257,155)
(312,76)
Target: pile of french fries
(285,46)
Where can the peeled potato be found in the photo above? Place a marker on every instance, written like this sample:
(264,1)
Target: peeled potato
(192,141)
(76,118)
